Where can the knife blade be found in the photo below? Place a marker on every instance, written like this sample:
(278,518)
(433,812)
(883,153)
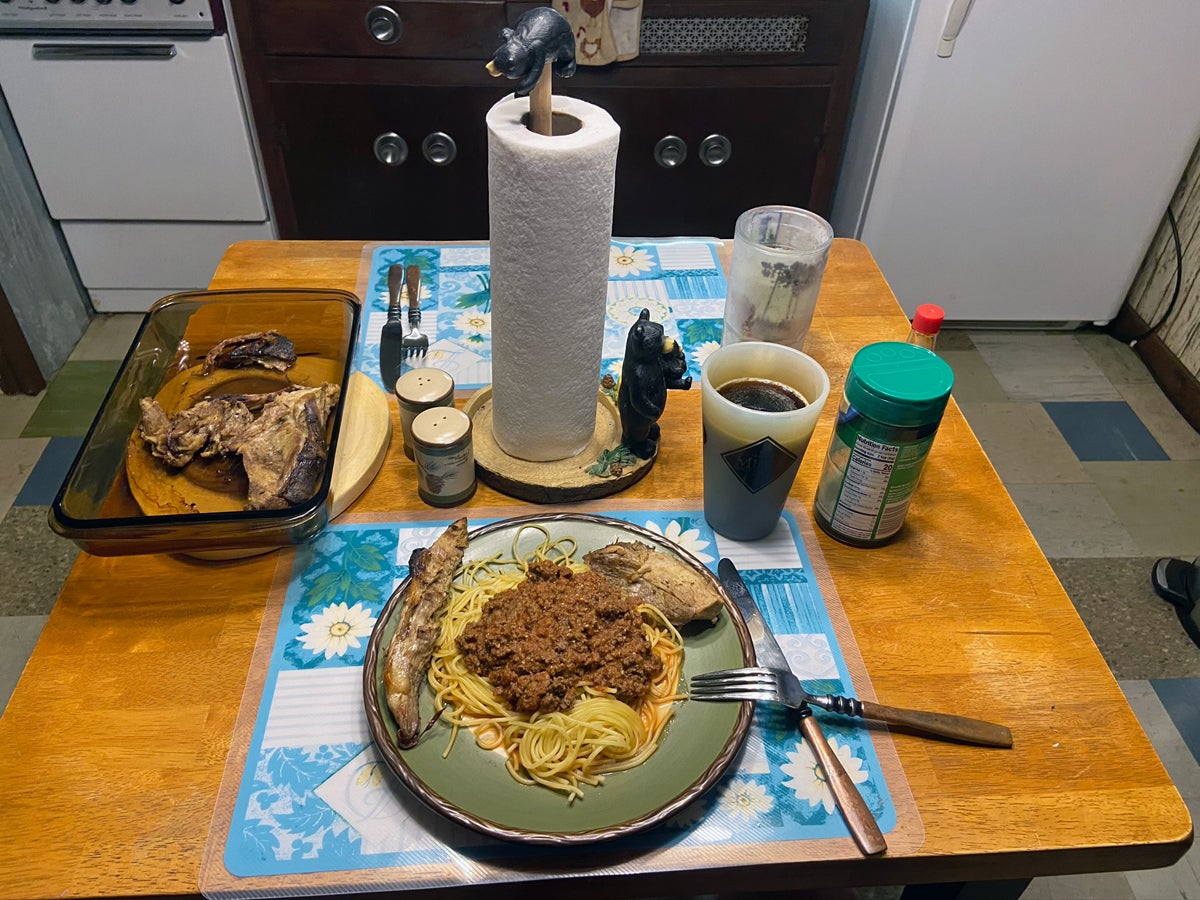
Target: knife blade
(863,827)
(962,728)
(392,336)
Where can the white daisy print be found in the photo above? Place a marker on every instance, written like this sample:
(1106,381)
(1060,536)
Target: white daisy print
(476,325)
(745,799)
(686,540)
(704,350)
(807,778)
(336,629)
(624,261)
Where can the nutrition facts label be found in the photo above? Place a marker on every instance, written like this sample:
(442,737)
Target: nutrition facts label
(879,481)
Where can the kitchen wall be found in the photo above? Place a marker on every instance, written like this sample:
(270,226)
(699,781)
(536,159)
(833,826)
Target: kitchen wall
(1155,282)
(1152,289)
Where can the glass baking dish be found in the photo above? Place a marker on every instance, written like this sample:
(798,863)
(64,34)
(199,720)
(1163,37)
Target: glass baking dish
(96,508)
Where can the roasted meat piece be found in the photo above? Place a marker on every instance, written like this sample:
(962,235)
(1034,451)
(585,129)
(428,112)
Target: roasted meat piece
(431,576)
(284,450)
(268,349)
(658,579)
(211,427)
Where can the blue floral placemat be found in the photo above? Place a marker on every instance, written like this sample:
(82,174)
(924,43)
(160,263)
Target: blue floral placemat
(312,807)
(680,282)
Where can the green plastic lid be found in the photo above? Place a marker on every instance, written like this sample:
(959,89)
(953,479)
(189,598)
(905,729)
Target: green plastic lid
(899,384)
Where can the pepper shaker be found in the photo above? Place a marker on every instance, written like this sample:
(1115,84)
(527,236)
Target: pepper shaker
(418,390)
(445,456)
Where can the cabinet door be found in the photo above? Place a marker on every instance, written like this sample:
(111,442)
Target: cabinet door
(342,191)
(773,126)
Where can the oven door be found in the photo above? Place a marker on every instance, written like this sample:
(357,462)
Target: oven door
(133,128)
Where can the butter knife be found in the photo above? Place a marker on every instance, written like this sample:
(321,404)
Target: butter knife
(962,728)
(862,824)
(392,337)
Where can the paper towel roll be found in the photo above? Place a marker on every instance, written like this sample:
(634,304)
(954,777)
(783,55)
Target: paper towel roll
(550,206)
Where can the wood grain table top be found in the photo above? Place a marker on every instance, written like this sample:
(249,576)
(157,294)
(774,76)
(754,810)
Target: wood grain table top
(114,742)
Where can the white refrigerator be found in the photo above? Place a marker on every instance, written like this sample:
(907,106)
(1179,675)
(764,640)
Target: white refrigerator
(1011,160)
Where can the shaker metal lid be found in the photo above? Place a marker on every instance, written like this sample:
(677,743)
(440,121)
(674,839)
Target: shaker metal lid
(899,384)
(441,426)
(424,386)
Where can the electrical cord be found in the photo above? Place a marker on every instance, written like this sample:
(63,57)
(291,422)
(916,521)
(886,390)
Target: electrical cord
(1178,281)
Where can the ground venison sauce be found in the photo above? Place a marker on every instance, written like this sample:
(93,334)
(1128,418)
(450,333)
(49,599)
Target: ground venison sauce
(538,642)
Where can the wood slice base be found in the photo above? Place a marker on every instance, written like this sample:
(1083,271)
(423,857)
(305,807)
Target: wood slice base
(556,481)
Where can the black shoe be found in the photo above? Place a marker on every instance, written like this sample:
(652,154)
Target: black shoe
(1178,583)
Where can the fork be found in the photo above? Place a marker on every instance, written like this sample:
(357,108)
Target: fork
(775,685)
(415,343)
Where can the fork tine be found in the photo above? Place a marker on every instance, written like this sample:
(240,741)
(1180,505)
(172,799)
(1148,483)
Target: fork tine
(735,677)
(733,683)
(733,695)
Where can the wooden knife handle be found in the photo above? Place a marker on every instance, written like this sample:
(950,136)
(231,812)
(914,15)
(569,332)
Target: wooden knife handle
(973,731)
(862,824)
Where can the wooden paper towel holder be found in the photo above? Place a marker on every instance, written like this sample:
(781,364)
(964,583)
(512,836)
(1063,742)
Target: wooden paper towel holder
(599,470)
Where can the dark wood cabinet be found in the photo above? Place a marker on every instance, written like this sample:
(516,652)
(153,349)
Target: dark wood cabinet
(365,140)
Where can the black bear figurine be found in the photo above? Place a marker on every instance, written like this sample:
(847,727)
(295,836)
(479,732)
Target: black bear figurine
(541,36)
(653,364)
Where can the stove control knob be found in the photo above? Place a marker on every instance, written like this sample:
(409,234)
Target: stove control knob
(391,149)
(670,151)
(439,148)
(715,150)
(383,24)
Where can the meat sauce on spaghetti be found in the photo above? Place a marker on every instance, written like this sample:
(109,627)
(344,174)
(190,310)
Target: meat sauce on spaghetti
(539,642)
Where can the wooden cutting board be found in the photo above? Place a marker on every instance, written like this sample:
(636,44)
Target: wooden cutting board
(363,443)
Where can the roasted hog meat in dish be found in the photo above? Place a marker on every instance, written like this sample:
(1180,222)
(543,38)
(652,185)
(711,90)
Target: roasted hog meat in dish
(268,349)
(659,579)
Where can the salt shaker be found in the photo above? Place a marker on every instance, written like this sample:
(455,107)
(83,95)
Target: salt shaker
(418,390)
(445,456)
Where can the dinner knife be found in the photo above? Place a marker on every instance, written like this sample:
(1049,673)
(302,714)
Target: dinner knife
(962,728)
(392,336)
(863,827)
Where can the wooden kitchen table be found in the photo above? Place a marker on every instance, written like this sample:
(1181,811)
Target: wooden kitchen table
(114,742)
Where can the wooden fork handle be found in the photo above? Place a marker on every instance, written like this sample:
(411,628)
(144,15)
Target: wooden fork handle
(973,731)
(861,823)
(412,283)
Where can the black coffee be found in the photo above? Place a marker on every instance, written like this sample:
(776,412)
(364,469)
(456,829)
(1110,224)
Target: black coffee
(763,395)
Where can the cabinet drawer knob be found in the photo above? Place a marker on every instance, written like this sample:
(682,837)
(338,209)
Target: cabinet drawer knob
(715,150)
(390,149)
(439,148)
(670,151)
(383,24)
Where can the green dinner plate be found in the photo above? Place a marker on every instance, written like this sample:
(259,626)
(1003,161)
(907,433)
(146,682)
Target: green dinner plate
(472,787)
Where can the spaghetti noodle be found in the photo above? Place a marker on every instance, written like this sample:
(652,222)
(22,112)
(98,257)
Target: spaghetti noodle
(562,750)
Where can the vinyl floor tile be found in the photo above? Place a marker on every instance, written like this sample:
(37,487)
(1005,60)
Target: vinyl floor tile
(1073,520)
(1137,632)
(20,456)
(1108,430)
(1119,362)
(18,637)
(1181,699)
(954,339)
(107,337)
(35,562)
(1177,438)
(973,380)
(1040,366)
(1158,503)
(51,469)
(1160,728)
(71,401)
(1101,886)
(1023,443)
(15,411)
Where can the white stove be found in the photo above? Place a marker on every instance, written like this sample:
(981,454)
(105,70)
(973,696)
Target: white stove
(133,116)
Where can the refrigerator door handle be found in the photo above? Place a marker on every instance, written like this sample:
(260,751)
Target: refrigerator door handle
(954,23)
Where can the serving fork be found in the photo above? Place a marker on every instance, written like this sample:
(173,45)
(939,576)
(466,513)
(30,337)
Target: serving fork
(415,343)
(778,686)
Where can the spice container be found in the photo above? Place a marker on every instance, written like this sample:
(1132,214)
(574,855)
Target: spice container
(893,402)
(926,325)
(445,457)
(418,390)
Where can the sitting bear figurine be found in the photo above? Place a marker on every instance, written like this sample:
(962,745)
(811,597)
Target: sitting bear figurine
(541,36)
(653,364)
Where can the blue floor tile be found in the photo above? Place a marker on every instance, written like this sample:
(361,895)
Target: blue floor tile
(1181,698)
(1104,431)
(47,476)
